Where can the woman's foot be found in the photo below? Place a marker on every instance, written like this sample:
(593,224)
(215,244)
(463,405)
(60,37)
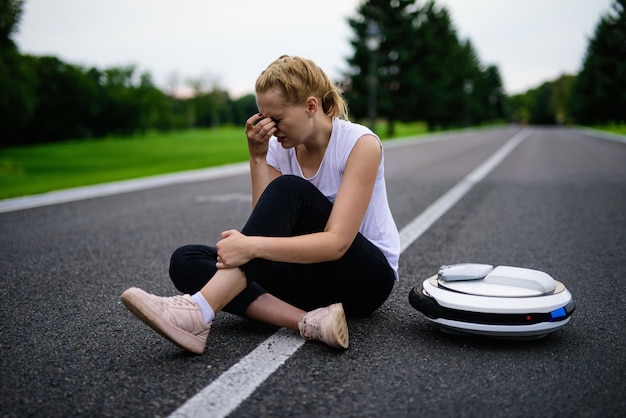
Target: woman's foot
(327,325)
(177,318)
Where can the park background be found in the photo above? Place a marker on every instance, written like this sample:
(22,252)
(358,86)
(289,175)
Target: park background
(408,71)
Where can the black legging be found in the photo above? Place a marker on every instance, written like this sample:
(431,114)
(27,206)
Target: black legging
(362,279)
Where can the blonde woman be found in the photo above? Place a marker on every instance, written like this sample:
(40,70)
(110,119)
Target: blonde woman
(320,238)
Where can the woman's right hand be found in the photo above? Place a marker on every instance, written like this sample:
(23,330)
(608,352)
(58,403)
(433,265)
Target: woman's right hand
(259,129)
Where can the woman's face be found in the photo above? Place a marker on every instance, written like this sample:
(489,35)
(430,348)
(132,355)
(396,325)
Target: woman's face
(293,125)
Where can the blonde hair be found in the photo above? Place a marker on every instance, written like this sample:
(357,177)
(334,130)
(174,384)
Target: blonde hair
(297,79)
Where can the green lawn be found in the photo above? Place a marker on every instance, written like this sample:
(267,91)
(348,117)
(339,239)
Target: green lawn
(614,128)
(42,168)
(47,167)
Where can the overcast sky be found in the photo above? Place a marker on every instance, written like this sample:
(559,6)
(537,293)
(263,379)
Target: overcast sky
(231,41)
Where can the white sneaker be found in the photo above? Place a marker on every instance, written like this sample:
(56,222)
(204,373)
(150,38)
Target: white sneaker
(177,318)
(327,325)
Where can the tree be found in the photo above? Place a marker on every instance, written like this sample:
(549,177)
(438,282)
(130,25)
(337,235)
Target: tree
(10,14)
(546,104)
(520,108)
(561,98)
(380,73)
(208,103)
(448,69)
(64,106)
(599,95)
(17,100)
(540,110)
(419,69)
(242,108)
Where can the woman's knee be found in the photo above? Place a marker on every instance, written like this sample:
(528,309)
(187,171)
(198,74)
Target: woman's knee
(191,267)
(363,300)
(290,183)
(287,179)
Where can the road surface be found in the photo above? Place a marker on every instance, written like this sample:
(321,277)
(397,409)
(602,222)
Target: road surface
(554,200)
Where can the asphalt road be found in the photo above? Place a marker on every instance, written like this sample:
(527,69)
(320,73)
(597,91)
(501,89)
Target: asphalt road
(556,203)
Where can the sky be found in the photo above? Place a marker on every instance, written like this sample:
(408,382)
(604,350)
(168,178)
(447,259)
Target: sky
(229,42)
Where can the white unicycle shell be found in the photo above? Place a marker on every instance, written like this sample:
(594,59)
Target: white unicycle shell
(503,302)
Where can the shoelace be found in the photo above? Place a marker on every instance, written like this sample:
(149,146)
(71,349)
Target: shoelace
(310,328)
(179,301)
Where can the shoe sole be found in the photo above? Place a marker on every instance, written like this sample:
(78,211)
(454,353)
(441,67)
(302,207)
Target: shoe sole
(132,299)
(340,336)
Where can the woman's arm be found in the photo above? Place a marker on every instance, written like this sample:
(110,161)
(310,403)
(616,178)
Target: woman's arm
(343,224)
(258,132)
(261,175)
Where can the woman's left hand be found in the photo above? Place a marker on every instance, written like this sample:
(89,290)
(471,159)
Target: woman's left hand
(232,250)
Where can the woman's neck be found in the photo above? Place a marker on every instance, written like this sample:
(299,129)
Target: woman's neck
(311,153)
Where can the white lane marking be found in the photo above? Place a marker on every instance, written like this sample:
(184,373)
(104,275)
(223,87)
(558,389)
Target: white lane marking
(229,197)
(594,133)
(236,384)
(108,189)
(419,225)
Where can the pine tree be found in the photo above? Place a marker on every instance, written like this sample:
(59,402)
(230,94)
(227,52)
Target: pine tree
(418,69)
(600,90)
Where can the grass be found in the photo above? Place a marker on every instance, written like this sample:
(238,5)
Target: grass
(613,128)
(47,167)
(43,168)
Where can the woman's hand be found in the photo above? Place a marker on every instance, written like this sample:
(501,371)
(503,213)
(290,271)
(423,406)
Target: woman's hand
(233,250)
(259,129)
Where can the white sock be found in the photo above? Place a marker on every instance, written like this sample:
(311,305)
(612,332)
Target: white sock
(207,312)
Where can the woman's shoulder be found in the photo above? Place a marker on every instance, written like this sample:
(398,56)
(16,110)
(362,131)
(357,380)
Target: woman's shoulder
(352,130)
(345,136)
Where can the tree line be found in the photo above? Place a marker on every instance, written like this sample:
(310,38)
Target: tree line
(594,96)
(408,64)
(45,99)
(412,59)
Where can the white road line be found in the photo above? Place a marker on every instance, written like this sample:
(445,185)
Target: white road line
(594,133)
(236,384)
(420,224)
(113,188)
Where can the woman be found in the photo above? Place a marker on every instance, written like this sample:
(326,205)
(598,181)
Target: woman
(320,237)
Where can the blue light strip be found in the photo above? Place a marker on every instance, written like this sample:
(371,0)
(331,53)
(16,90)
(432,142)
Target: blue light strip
(556,315)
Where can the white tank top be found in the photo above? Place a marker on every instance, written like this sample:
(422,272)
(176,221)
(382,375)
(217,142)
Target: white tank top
(378,225)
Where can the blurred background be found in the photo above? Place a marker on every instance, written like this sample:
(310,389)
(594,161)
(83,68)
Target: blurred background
(85,70)
(397,60)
